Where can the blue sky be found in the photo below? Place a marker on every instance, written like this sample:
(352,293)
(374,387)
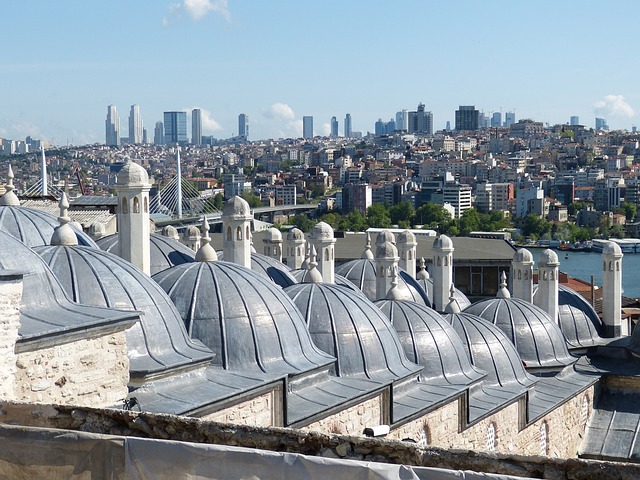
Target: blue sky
(65,62)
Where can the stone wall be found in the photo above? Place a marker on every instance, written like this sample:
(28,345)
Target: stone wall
(258,412)
(88,372)
(353,420)
(564,429)
(10,298)
(129,423)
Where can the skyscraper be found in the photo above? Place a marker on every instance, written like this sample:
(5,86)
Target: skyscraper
(420,121)
(509,119)
(601,124)
(243,126)
(496,119)
(158,134)
(112,127)
(347,126)
(175,127)
(402,120)
(307,127)
(334,127)
(575,120)
(196,126)
(135,125)
(467,118)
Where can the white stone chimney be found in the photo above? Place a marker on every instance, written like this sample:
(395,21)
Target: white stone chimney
(322,239)
(236,226)
(612,291)
(547,296)
(442,270)
(132,186)
(407,248)
(295,248)
(272,244)
(522,275)
(386,268)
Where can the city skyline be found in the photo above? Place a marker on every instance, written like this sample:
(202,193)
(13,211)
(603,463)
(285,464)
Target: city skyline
(540,62)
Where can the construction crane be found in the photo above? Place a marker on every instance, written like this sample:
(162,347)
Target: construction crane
(76,172)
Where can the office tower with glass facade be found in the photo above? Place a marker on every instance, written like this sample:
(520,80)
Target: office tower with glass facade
(112,127)
(307,127)
(243,126)
(175,128)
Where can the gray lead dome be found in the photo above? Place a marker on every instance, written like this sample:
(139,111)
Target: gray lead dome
(537,338)
(348,326)
(248,322)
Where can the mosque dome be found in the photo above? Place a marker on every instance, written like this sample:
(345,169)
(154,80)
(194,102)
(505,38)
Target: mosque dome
(362,273)
(164,251)
(248,322)
(159,341)
(44,307)
(237,208)
(273,235)
(612,248)
(548,258)
(295,234)
(443,242)
(132,175)
(489,349)
(523,255)
(301,276)
(192,231)
(579,322)
(429,340)
(322,231)
(536,336)
(269,267)
(406,237)
(349,327)
(427,286)
(34,227)
(170,231)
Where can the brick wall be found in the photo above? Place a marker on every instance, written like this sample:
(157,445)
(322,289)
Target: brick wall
(89,372)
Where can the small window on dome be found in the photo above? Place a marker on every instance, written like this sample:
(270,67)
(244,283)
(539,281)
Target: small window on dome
(146,205)
(229,234)
(136,205)
(125,205)
(239,233)
(248,233)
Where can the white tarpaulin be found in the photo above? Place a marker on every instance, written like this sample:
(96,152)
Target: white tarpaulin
(35,453)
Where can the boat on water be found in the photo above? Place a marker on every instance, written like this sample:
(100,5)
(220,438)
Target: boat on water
(627,245)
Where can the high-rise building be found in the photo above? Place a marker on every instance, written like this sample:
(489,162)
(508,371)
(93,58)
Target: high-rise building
(379,127)
(307,127)
(467,118)
(601,124)
(196,126)
(135,125)
(243,126)
(158,134)
(402,120)
(509,119)
(334,127)
(347,126)
(496,119)
(420,121)
(112,127)
(175,128)
(575,120)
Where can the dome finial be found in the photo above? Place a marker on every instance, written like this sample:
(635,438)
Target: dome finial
(313,275)
(367,253)
(10,198)
(394,292)
(206,252)
(452,306)
(503,292)
(63,233)
(423,273)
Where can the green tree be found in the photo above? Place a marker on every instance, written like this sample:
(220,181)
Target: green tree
(356,222)
(302,221)
(630,210)
(536,227)
(469,222)
(616,231)
(432,215)
(402,212)
(253,200)
(335,220)
(378,216)
(218,201)
(574,207)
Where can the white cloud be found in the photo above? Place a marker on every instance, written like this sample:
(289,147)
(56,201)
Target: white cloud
(325,129)
(197,10)
(209,124)
(283,120)
(613,106)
